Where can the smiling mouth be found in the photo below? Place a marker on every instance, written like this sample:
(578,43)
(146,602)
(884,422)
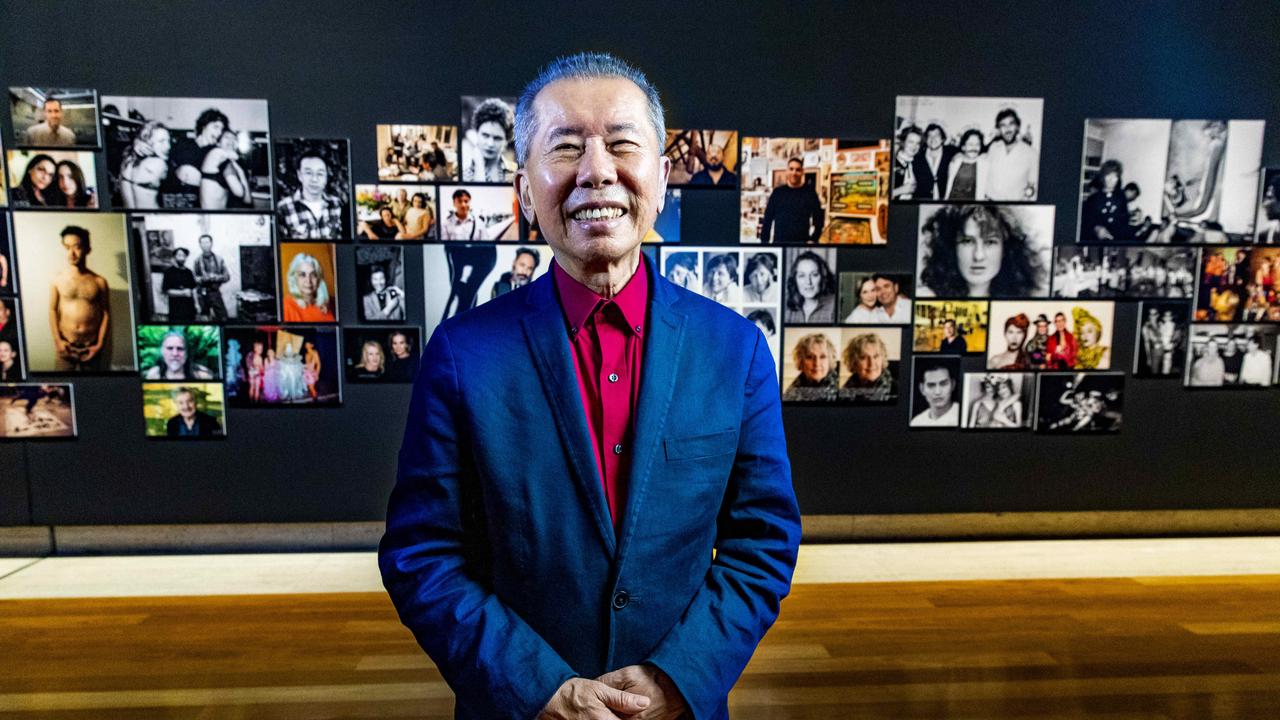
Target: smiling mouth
(598,213)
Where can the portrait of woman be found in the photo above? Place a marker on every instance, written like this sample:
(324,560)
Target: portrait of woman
(819,379)
(372,361)
(982,251)
(682,270)
(967,171)
(868,298)
(722,279)
(761,279)
(1104,217)
(10,362)
(871,379)
(144,170)
(71,187)
(811,290)
(308,299)
(1015,355)
(419,220)
(1090,353)
(37,188)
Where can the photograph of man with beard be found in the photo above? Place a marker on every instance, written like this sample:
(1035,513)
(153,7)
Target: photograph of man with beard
(521,272)
(1013,166)
(702,157)
(936,383)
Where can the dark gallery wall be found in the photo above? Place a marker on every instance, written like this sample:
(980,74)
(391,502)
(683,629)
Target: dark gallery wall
(335,69)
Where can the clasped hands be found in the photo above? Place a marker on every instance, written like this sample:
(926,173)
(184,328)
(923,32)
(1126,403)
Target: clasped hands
(635,692)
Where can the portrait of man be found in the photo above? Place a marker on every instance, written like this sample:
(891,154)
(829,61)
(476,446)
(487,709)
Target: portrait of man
(461,276)
(380,272)
(702,157)
(951,327)
(662,620)
(45,117)
(79,312)
(175,352)
(935,400)
(520,274)
(793,214)
(478,213)
(488,147)
(184,411)
(313,189)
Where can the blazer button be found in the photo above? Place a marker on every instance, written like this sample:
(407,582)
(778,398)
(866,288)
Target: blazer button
(621,599)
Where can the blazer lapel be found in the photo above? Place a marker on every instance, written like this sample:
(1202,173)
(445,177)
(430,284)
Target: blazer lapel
(544,327)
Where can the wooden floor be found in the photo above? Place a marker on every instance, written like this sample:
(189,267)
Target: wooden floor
(1170,648)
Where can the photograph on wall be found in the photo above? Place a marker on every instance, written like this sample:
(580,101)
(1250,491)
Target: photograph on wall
(1211,181)
(875,298)
(1161,342)
(32,411)
(706,158)
(63,179)
(766,319)
(488,139)
(951,327)
(313,189)
(857,365)
(1124,271)
(984,250)
(1239,284)
(4,181)
(478,212)
(396,212)
(184,411)
(1051,335)
(787,191)
(382,354)
(295,365)
(966,149)
(1084,403)
(417,153)
(666,227)
(998,401)
(1122,180)
(180,352)
(380,284)
(187,153)
(8,268)
(12,365)
(1268,222)
(811,289)
(77,266)
(460,276)
(1231,356)
(206,267)
(46,117)
(308,282)
(935,391)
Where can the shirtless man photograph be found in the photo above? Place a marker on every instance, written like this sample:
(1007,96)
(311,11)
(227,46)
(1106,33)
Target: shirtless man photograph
(79,317)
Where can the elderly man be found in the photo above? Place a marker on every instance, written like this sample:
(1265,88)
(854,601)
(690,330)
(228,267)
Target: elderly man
(569,536)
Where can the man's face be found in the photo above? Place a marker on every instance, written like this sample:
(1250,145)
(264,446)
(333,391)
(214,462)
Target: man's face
(886,291)
(180,259)
(174,351)
(933,139)
(212,132)
(308,280)
(1152,314)
(795,174)
(871,364)
(715,157)
(1060,322)
(596,177)
(817,362)
(462,206)
(1008,128)
(53,112)
(911,144)
(522,266)
(492,139)
(400,345)
(949,329)
(75,253)
(314,175)
(1271,202)
(378,280)
(936,387)
(186,405)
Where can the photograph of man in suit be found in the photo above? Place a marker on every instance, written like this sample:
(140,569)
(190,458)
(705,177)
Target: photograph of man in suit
(569,537)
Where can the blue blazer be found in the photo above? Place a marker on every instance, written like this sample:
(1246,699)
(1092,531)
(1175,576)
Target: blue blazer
(500,554)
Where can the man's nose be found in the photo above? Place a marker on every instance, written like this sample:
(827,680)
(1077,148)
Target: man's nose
(596,167)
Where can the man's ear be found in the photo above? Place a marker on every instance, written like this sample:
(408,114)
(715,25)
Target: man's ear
(525,196)
(665,170)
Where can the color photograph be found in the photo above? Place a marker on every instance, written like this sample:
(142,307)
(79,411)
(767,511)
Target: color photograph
(184,411)
(1051,335)
(999,401)
(1231,356)
(460,276)
(848,365)
(8,269)
(875,298)
(46,117)
(488,139)
(313,189)
(174,353)
(1268,222)
(1239,284)
(381,355)
(478,212)
(984,250)
(417,153)
(62,179)
(309,283)
(12,364)
(705,158)
(396,212)
(951,327)
(282,366)
(1080,403)
(32,411)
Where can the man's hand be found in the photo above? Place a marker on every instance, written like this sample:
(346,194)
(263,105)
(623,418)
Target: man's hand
(666,701)
(583,699)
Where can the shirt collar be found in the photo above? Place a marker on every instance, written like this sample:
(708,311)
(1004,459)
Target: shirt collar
(579,301)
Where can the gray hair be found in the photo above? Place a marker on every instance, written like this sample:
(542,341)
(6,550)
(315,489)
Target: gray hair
(582,66)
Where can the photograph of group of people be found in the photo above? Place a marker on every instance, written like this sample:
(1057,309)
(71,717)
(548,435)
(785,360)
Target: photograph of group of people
(282,365)
(1232,356)
(188,153)
(858,365)
(875,298)
(966,149)
(313,189)
(206,267)
(65,179)
(1169,181)
(1124,271)
(417,153)
(460,276)
(1161,350)
(1050,335)
(1239,284)
(702,157)
(1268,222)
(381,355)
(396,212)
(44,117)
(184,411)
(984,250)
(30,411)
(1080,403)
(951,327)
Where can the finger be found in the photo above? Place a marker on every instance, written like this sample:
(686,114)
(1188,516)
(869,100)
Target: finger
(622,701)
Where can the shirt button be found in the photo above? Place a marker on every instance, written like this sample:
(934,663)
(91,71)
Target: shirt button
(637,328)
(617,449)
(621,599)
(613,377)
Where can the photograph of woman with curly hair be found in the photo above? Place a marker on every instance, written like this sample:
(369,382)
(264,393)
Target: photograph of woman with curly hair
(815,372)
(488,139)
(811,286)
(984,250)
(870,359)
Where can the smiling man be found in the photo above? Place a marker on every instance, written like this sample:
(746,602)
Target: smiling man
(592,544)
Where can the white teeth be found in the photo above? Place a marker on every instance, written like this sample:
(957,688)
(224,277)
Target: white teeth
(598,214)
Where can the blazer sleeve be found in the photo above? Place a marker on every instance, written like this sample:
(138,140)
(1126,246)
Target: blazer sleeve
(433,565)
(757,540)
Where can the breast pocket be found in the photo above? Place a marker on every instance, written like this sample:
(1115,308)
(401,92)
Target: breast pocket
(698,447)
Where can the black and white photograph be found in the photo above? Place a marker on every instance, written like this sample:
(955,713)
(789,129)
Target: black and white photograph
(184,411)
(875,298)
(812,287)
(206,267)
(380,284)
(188,153)
(313,189)
(858,365)
(1124,271)
(1080,403)
(935,391)
(75,269)
(998,401)
(488,139)
(45,117)
(1161,341)
(705,158)
(175,353)
(12,365)
(1051,335)
(8,269)
(767,320)
(951,327)
(1237,356)
(403,213)
(382,354)
(478,213)
(1122,180)
(417,153)
(1211,181)
(1239,284)
(460,276)
(999,251)
(274,366)
(61,179)
(31,411)
(966,149)
(1267,225)
(4,181)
